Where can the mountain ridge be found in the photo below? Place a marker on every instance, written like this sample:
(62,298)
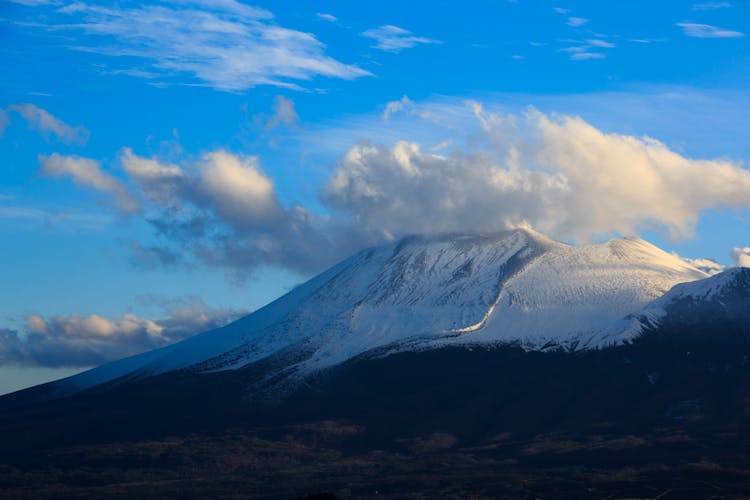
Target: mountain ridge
(422,292)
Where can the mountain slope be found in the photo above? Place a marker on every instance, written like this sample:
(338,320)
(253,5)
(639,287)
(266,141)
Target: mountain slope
(427,292)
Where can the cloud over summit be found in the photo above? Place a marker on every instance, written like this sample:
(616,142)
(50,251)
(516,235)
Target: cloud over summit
(557,173)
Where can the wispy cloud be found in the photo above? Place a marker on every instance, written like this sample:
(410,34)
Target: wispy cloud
(708,266)
(711,6)
(49,125)
(585,56)
(394,107)
(327,17)
(561,10)
(708,31)
(647,40)
(283,114)
(223,44)
(88,174)
(53,217)
(406,106)
(581,50)
(577,21)
(394,39)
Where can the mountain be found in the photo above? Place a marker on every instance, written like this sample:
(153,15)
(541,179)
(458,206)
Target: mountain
(427,292)
(507,365)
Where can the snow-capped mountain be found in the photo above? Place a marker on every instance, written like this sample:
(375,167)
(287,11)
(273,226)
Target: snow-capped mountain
(427,292)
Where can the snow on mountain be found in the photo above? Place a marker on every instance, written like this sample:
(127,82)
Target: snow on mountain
(722,293)
(421,292)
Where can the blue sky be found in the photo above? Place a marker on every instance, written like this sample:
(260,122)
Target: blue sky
(169,166)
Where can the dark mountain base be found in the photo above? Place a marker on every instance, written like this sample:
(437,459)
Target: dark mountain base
(668,414)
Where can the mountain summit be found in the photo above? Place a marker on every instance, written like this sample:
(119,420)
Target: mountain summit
(517,287)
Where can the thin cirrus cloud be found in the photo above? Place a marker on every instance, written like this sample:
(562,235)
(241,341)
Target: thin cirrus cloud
(89,340)
(48,125)
(390,38)
(576,22)
(711,6)
(696,30)
(582,50)
(226,45)
(327,17)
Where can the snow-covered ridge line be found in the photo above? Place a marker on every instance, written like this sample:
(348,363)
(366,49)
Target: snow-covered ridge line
(515,286)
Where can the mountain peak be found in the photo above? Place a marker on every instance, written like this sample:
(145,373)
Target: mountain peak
(514,286)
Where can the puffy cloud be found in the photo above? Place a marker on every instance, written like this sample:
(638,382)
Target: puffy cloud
(161,183)
(558,173)
(87,173)
(224,211)
(741,256)
(238,191)
(223,44)
(79,341)
(49,125)
(707,31)
(394,39)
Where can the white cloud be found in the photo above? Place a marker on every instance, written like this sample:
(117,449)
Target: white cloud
(581,50)
(407,107)
(708,266)
(394,39)
(741,256)
(585,56)
(223,44)
(558,173)
(577,21)
(561,10)
(86,340)
(393,107)
(707,31)
(161,183)
(711,6)
(238,191)
(48,124)
(87,173)
(327,17)
(597,42)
